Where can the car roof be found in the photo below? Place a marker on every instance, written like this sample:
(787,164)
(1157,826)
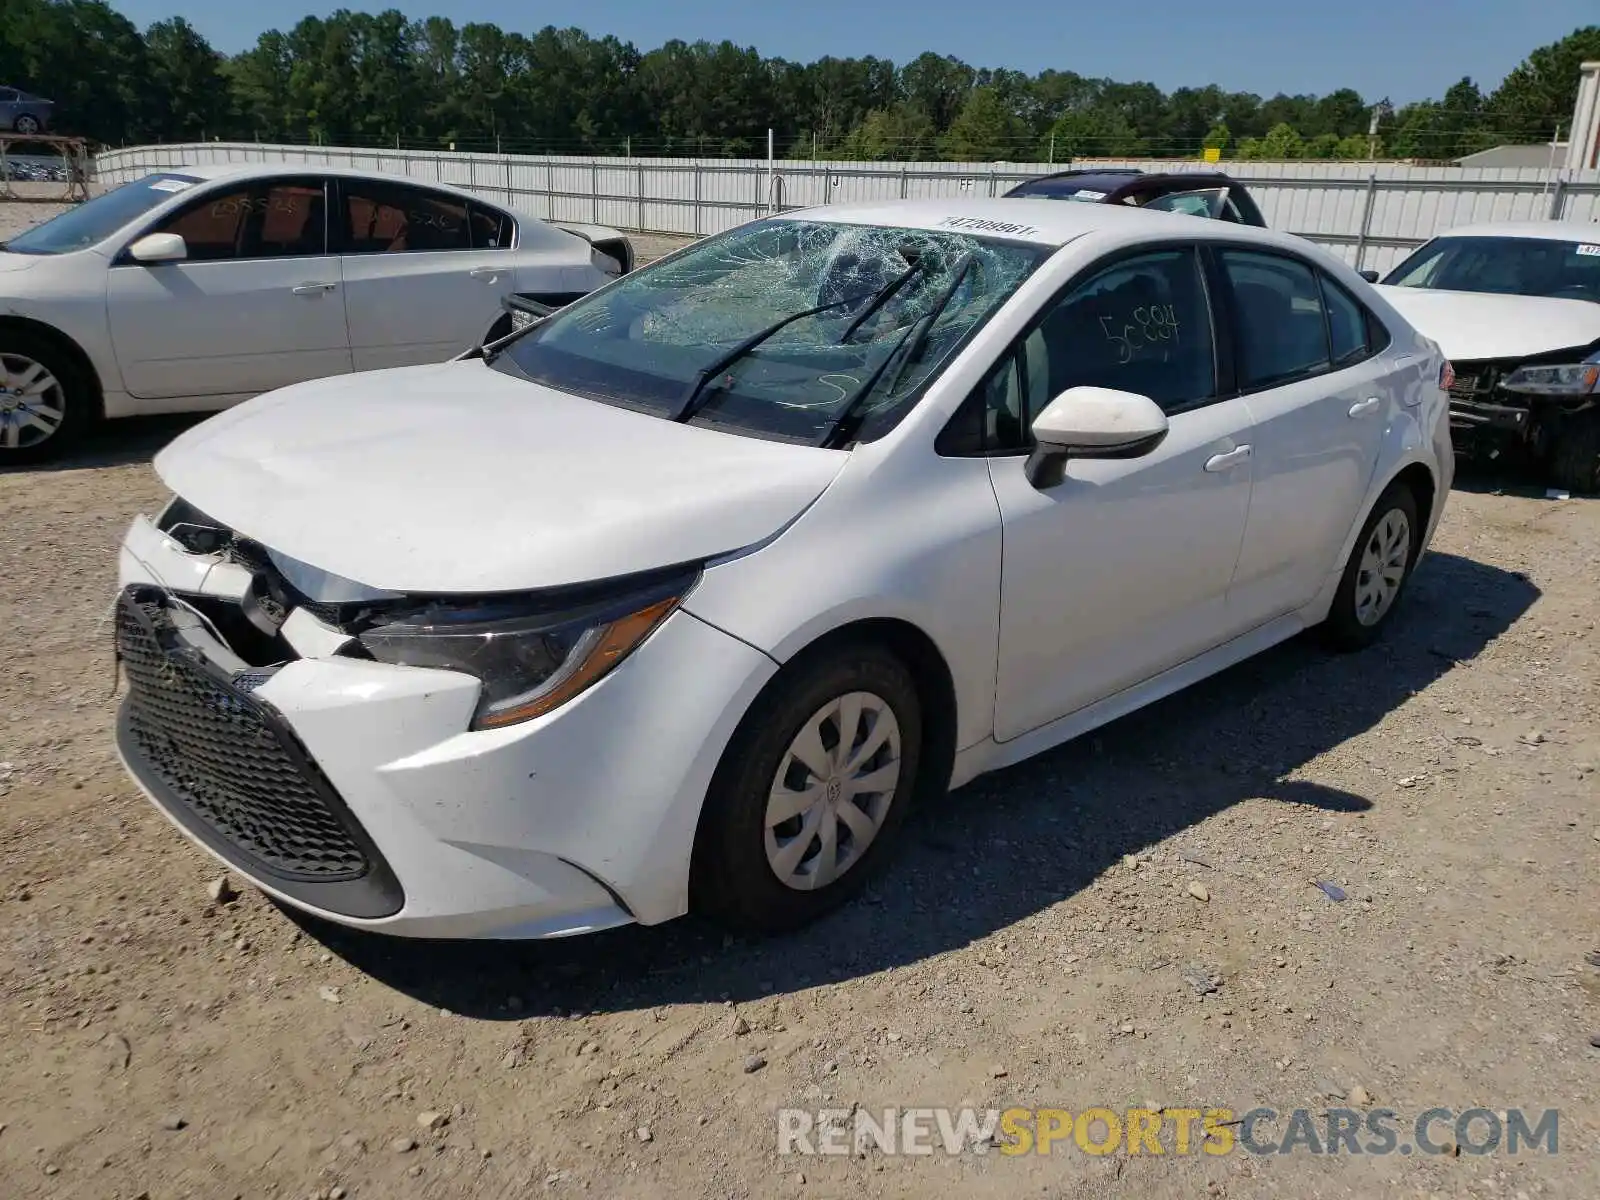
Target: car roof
(1117,179)
(247,171)
(1039,220)
(1553,231)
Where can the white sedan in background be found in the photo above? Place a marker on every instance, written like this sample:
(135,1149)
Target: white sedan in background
(193,289)
(1516,308)
(681,596)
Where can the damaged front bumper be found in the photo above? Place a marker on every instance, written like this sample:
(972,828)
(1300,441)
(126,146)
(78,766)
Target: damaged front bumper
(356,790)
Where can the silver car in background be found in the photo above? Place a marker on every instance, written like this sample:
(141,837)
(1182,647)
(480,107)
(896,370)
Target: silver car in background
(21,112)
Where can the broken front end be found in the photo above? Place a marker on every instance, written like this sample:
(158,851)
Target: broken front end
(1544,409)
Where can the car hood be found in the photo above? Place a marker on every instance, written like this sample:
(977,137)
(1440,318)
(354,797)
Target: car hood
(458,478)
(1481,325)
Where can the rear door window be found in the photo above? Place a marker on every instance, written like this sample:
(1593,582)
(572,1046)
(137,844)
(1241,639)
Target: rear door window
(1280,327)
(394,218)
(1349,326)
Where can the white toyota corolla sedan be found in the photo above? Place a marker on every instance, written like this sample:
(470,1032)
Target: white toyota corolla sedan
(680,597)
(193,289)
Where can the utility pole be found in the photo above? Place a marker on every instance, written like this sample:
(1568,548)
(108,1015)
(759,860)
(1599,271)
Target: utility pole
(1052,157)
(1380,110)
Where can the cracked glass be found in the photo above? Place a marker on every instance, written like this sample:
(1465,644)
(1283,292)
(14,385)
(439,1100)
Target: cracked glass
(781,328)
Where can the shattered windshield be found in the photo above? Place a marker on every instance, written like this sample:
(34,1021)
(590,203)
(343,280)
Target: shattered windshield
(1509,266)
(781,328)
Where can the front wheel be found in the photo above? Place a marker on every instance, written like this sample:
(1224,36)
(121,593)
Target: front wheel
(1575,454)
(810,792)
(44,403)
(1378,569)
(27,125)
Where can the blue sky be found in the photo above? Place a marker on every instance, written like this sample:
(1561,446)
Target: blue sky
(1405,49)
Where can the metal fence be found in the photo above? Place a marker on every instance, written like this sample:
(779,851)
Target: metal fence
(1371,214)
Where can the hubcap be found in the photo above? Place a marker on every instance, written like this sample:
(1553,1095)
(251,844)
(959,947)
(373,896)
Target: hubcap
(32,405)
(832,791)
(1383,566)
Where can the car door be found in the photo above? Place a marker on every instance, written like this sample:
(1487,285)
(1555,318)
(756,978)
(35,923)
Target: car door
(424,271)
(255,304)
(1122,570)
(1323,400)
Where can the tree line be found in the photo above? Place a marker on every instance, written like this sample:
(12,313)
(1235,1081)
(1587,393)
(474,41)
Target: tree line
(381,79)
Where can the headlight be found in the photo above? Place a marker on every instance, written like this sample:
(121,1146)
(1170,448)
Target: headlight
(532,654)
(1556,379)
(521,319)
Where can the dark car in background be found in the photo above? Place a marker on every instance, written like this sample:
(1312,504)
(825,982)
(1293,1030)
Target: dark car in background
(21,112)
(1198,193)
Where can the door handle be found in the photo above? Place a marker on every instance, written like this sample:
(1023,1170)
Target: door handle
(1362,407)
(1226,462)
(313,289)
(489,273)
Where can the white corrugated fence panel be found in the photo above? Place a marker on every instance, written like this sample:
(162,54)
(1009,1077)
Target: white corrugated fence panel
(1323,201)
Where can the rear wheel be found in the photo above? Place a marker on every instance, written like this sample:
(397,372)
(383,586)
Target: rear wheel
(44,400)
(1575,454)
(27,124)
(811,791)
(1377,572)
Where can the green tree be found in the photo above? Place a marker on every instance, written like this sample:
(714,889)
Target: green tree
(1324,145)
(900,133)
(1092,133)
(1541,92)
(1282,142)
(89,59)
(186,73)
(259,81)
(985,131)
(938,85)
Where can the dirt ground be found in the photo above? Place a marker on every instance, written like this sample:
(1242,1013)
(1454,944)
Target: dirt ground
(1042,939)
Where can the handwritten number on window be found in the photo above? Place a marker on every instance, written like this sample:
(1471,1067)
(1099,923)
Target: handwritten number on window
(1151,326)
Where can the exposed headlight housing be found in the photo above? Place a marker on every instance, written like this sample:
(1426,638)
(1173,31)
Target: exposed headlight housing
(531,653)
(1556,379)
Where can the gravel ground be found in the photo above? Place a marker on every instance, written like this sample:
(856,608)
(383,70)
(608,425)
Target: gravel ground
(1128,920)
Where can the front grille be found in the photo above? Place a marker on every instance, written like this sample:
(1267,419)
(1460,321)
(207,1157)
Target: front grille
(227,756)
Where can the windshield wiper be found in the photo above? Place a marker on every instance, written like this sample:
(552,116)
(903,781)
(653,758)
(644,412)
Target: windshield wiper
(844,426)
(690,404)
(887,294)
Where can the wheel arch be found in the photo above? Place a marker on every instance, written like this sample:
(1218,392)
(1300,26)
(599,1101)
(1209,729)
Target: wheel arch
(80,358)
(929,669)
(1419,478)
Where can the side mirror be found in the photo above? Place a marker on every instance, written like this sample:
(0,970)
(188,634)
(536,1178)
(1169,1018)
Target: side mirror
(159,248)
(1369,275)
(1092,422)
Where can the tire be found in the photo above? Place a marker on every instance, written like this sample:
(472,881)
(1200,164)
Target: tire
(1575,454)
(735,876)
(26,124)
(66,403)
(1363,604)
